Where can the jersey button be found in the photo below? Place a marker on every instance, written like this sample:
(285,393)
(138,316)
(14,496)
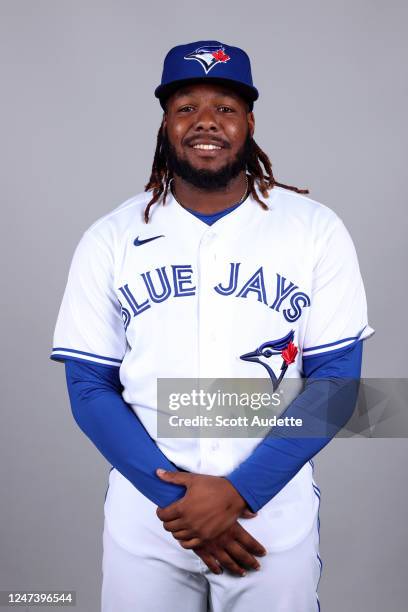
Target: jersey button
(208,237)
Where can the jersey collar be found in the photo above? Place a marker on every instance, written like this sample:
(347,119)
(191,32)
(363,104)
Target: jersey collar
(233,223)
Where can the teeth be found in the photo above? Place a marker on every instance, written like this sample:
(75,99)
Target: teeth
(209,147)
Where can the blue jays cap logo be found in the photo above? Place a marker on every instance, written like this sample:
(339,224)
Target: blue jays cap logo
(208,56)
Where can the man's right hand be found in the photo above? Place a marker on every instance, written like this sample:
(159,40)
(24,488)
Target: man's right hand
(233,550)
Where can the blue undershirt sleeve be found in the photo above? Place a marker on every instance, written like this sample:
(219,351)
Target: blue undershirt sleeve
(109,422)
(325,406)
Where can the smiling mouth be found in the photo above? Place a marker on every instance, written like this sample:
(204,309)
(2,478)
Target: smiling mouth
(207,147)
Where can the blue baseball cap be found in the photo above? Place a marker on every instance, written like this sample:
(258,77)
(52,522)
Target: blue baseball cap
(210,61)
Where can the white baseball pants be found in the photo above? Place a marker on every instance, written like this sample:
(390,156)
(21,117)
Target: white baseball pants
(163,577)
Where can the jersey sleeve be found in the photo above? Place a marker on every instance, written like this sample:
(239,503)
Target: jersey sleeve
(338,311)
(89,326)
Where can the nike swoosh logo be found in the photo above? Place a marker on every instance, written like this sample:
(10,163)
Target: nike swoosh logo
(138,242)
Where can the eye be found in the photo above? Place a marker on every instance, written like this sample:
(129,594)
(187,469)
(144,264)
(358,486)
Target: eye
(226,109)
(186,108)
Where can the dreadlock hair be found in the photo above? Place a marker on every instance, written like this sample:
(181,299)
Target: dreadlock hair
(161,176)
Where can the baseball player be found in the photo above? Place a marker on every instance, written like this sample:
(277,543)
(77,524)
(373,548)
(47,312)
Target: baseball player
(216,270)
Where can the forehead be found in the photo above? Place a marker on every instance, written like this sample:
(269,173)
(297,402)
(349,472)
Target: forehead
(207,90)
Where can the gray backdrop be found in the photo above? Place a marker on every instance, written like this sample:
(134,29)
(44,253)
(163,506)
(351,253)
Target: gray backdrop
(78,128)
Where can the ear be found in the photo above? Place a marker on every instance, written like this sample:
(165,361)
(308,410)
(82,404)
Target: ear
(251,123)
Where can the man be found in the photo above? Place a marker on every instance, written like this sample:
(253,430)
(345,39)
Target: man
(216,271)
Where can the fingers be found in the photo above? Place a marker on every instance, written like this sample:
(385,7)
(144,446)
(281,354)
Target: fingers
(247,541)
(242,557)
(193,543)
(187,538)
(180,478)
(177,531)
(225,559)
(181,530)
(246,513)
(170,513)
(184,534)
(234,550)
(209,559)
(176,525)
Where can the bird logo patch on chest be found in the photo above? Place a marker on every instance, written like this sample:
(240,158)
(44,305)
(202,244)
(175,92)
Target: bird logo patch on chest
(282,346)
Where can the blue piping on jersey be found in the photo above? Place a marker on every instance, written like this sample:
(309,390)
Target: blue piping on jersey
(62,358)
(76,352)
(313,348)
(317,493)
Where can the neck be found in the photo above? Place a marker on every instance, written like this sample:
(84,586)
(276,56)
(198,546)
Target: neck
(209,202)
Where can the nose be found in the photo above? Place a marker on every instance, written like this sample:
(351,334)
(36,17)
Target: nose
(206,120)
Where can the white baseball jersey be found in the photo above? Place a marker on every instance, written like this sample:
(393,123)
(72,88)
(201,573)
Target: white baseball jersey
(176,298)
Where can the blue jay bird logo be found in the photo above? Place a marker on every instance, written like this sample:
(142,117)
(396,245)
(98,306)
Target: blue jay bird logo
(284,347)
(208,56)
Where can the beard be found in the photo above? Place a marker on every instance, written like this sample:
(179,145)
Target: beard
(207,180)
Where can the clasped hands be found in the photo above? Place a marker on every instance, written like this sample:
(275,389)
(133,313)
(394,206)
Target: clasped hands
(205,521)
